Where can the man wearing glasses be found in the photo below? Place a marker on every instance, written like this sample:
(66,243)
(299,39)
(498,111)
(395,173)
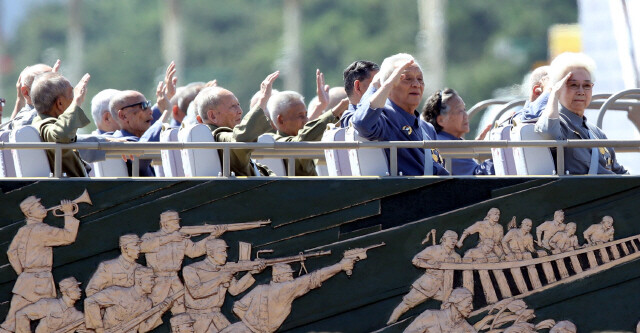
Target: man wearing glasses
(133,113)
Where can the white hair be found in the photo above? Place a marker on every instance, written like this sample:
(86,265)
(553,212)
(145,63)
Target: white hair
(538,76)
(100,104)
(47,87)
(564,62)
(389,64)
(279,103)
(207,99)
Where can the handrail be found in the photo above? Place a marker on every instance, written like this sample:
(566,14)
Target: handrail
(315,149)
(484,104)
(634,91)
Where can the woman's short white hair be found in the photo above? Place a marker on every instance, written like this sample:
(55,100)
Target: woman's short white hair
(280,102)
(564,62)
(389,64)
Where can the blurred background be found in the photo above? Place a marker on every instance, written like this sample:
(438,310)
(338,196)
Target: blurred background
(481,48)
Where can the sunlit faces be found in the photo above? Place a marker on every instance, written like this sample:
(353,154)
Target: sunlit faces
(407,94)
(449,242)
(465,307)
(608,222)
(74,293)
(64,101)
(227,112)
(38,211)
(456,120)
(135,115)
(132,250)
(169,221)
(293,120)
(219,255)
(575,95)
(147,282)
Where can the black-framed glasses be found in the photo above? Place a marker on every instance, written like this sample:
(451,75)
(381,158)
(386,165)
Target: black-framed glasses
(143,105)
(2,101)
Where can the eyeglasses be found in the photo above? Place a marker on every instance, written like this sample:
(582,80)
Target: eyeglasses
(143,105)
(2,101)
(576,86)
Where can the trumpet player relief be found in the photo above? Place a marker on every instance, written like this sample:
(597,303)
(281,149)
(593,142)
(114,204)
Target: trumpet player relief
(503,268)
(31,252)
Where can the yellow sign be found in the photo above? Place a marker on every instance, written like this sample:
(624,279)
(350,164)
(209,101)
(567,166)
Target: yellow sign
(564,38)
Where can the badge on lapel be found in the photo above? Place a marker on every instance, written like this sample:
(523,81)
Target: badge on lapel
(407,129)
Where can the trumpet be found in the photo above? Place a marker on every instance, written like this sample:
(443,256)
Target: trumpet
(83,198)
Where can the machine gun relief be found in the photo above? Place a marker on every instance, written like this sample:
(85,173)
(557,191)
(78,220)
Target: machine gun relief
(358,254)
(219,229)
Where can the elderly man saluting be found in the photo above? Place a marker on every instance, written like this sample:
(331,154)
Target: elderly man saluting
(60,116)
(387,112)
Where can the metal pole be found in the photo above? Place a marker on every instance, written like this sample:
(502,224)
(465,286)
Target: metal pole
(226,162)
(291,167)
(431,42)
(291,62)
(57,161)
(393,160)
(560,160)
(172,45)
(75,43)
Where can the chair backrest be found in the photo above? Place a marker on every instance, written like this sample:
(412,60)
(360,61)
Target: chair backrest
(531,161)
(337,159)
(29,162)
(113,167)
(275,164)
(171,158)
(366,161)
(503,161)
(199,162)
(7,169)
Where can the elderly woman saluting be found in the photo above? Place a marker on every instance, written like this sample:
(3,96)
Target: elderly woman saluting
(387,112)
(571,78)
(446,111)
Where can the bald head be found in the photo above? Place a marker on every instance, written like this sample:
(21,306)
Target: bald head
(218,106)
(131,111)
(537,82)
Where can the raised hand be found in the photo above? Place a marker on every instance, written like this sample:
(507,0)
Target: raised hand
(266,87)
(80,91)
(397,74)
(322,90)
(56,66)
(212,83)
(170,81)
(161,97)
(339,109)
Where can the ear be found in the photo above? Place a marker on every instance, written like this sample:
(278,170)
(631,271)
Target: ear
(279,120)
(199,119)
(122,115)
(106,117)
(174,111)
(356,85)
(211,115)
(24,90)
(441,120)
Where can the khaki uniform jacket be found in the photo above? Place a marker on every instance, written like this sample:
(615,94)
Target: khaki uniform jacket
(121,306)
(254,124)
(115,272)
(63,130)
(53,314)
(312,131)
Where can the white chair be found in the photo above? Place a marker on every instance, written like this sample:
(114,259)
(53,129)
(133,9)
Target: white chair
(29,162)
(275,164)
(366,161)
(337,159)
(503,161)
(199,162)
(531,161)
(7,169)
(171,158)
(112,167)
